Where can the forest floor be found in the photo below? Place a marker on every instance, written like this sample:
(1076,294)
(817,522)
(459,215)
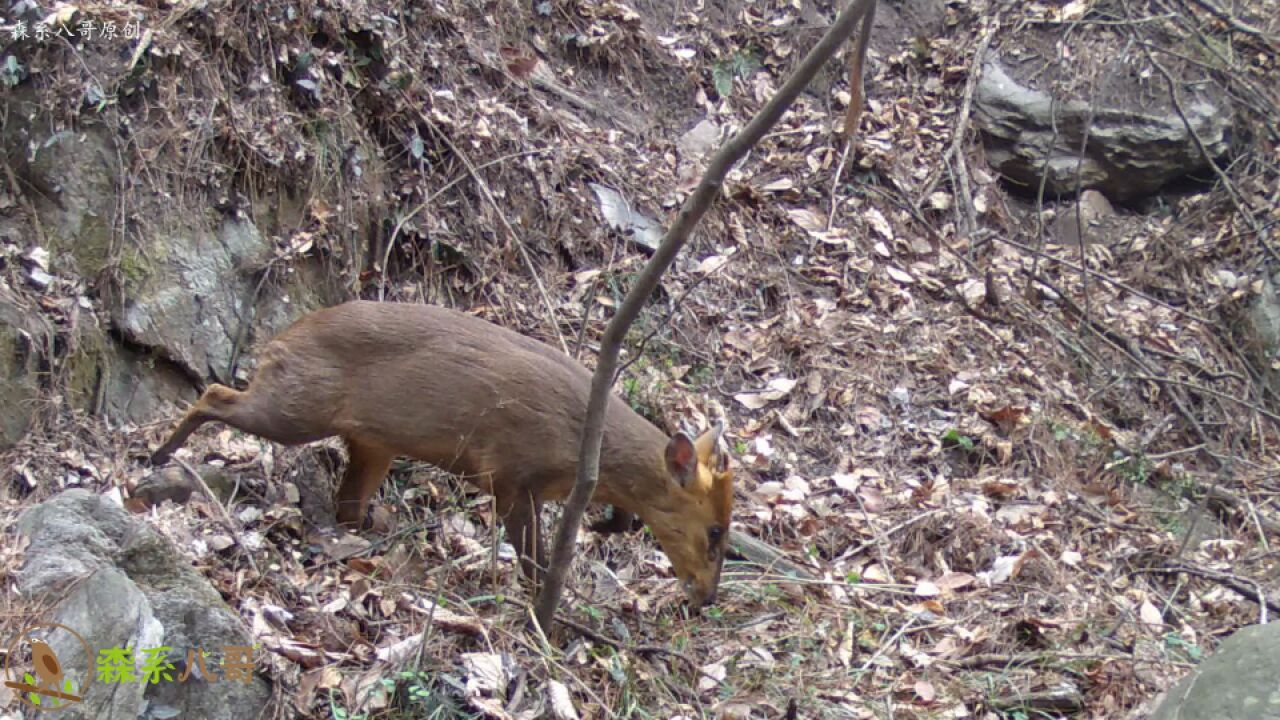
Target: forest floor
(1017,489)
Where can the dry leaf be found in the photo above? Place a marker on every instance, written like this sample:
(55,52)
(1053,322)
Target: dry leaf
(518,64)
(900,276)
(925,691)
(711,676)
(878,223)
(1150,614)
(776,389)
(450,620)
(1001,570)
(870,417)
(924,588)
(712,263)
(844,652)
(399,652)
(875,573)
(561,701)
(486,673)
(974,292)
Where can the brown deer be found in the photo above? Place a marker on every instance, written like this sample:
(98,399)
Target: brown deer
(499,409)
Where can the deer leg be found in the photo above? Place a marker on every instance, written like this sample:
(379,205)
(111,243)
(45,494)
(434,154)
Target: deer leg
(215,404)
(366,468)
(520,515)
(620,521)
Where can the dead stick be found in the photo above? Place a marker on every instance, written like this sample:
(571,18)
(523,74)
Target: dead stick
(767,556)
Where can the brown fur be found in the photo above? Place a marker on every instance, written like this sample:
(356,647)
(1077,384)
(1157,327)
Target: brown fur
(498,408)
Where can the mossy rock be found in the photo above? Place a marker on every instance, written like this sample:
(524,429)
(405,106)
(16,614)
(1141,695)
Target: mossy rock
(23,337)
(1240,681)
(76,172)
(102,377)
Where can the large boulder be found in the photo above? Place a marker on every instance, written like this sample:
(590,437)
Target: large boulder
(107,378)
(190,288)
(1134,146)
(120,584)
(196,291)
(1240,681)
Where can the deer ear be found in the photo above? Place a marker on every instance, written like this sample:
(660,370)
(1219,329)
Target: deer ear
(682,459)
(708,443)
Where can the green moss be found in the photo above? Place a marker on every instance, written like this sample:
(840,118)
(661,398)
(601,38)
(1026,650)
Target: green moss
(89,248)
(134,268)
(17,389)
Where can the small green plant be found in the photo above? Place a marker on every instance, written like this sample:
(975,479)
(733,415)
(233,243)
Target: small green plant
(1175,642)
(1135,469)
(741,64)
(417,685)
(1061,432)
(955,438)
(631,389)
(699,377)
(1170,524)
(423,695)
(337,712)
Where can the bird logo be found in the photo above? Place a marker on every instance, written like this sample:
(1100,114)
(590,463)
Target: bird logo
(49,688)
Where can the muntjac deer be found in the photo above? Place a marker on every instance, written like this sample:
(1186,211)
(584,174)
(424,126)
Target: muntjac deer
(498,408)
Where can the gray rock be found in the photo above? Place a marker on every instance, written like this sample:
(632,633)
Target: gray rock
(1262,331)
(196,295)
(106,378)
(109,611)
(126,585)
(1130,153)
(75,173)
(1090,212)
(191,299)
(1237,682)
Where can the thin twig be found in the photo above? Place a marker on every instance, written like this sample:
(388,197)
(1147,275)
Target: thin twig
(966,111)
(1244,588)
(1210,391)
(1105,278)
(1232,192)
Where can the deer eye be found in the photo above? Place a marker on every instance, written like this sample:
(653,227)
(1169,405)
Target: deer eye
(714,533)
